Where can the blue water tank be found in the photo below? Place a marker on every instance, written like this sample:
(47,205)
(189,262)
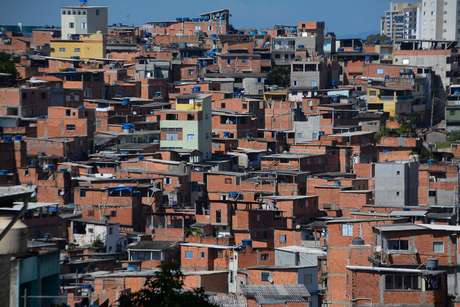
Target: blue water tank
(18,137)
(132,267)
(246,243)
(127,127)
(125,101)
(196,89)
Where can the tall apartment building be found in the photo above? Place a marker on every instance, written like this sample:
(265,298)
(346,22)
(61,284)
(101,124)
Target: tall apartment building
(401,21)
(440,20)
(189,126)
(83,19)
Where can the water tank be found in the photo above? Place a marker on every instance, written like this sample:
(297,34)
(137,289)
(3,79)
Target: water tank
(127,127)
(15,241)
(246,243)
(132,267)
(196,89)
(432,264)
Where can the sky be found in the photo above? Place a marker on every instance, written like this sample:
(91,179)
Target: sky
(344,17)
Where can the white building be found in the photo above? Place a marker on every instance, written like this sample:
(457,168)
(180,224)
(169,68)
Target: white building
(440,20)
(88,232)
(401,21)
(83,19)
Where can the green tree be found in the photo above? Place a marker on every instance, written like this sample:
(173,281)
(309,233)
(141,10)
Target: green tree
(280,75)
(165,289)
(374,38)
(7,65)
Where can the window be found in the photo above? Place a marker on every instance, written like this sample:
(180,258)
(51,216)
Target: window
(347,230)
(202,254)
(61,49)
(82,193)
(310,67)
(190,117)
(113,213)
(245,106)
(228,180)
(76,50)
(167,180)
(67,112)
(265,276)
(70,127)
(282,238)
(218,216)
(438,247)
(398,173)
(43,95)
(90,230)
(222,105)
(398,245)
(190,137)
(432,193)
(402,282)
(91,212)
(171,137)
(110,230)
(71,25)
(297,67)
(188,254)
(264,257)
(83,25)
(97,12)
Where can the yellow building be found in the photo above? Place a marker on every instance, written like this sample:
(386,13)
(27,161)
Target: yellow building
(394,101)
(91,46)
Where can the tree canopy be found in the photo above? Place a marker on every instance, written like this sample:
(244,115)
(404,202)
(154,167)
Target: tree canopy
(280,75)
(377,38)
(7,65)
(165,289)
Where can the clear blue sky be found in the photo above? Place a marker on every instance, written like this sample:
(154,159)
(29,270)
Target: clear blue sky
(341,16)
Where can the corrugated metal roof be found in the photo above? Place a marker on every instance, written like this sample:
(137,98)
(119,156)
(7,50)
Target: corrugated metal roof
(277,294)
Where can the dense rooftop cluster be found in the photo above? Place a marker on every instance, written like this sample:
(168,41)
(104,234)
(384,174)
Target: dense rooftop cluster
(281,166)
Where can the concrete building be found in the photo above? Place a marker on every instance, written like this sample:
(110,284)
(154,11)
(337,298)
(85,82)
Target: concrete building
(83,19)
(396,184)
(309,74)
(441,56)
(87,46)
(189,126)
(440,20)
(86,232)
(452,114)
(401,21)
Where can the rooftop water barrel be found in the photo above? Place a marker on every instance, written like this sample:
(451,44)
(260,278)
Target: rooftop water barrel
(127,127)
